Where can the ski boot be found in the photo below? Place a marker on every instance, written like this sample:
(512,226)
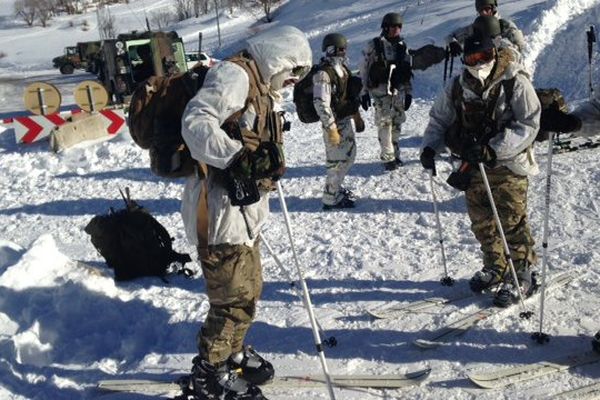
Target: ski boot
(484,279)
(508,293)
(596,342)
(348,193)
(345,202)
(211,383)
(392,165)
(253,367)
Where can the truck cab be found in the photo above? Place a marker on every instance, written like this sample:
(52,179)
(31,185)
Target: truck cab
(131,58)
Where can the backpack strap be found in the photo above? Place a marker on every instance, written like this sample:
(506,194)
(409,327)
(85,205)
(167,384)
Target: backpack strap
(378,44)
(509,87)
(258,87)
(504,25)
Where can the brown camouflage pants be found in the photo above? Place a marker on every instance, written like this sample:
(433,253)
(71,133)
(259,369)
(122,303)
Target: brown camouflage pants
(510,196)
(233,275)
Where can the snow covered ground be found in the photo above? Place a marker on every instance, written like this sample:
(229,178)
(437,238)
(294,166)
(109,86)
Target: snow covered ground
(65,324)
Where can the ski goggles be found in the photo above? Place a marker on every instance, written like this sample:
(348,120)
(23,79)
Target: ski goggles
(480,57)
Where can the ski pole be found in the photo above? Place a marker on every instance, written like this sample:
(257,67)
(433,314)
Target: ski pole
(591,39)
(446,280)
(331,341)
(307,302)
(525,314)
(446,59)
(540,336)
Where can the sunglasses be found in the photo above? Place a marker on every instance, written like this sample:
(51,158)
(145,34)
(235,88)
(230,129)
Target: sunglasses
(395,26)
(481,57)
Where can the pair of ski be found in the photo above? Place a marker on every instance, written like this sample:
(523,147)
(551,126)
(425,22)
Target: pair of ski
(460,326)
(391,381)
(567,145)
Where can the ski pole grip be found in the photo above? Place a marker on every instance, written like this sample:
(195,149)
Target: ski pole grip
(591,39)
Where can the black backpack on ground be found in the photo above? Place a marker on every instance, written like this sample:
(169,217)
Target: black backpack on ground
(134,243)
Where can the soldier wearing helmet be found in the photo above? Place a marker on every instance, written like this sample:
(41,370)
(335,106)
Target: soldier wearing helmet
(510,35)
(386,77)
(335,98)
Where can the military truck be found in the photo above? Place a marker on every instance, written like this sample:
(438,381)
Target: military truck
(131,58)
(82,56)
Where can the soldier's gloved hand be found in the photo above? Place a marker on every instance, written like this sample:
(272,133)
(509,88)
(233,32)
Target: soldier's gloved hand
(266,162)
(359,123)
(554,120)
(250,139)
(333,135)
(365,101)
(427,159)
(242,165)
(455,48)
(478,153)
(407,101)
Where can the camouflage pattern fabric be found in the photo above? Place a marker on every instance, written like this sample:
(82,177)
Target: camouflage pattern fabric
(233,275)
(339,160)
(389,117)
(510,195)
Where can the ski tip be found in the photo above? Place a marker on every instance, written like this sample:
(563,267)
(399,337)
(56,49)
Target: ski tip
(426,344)
(420,375)
(482,383)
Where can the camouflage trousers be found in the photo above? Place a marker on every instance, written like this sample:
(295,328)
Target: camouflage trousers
(233,275)
(339,160)
(510,196)
(389,117)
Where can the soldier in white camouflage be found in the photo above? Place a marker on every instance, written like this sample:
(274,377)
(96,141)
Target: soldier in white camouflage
(386,75)
(335,97)
(490,114)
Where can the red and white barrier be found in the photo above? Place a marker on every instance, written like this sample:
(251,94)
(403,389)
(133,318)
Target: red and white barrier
(32,128)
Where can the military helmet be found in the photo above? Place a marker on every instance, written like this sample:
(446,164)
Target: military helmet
(487,25)
(392,19)
(479,4)
(336,40)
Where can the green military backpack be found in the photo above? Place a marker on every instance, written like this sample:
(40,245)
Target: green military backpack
(344,102)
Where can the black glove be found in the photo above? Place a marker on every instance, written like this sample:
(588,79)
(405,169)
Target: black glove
(365,101)
(407,101)
(455,48)
(427,56)
(477,153)
(427,160)
(554,120)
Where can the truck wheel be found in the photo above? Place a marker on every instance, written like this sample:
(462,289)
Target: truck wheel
(67,69)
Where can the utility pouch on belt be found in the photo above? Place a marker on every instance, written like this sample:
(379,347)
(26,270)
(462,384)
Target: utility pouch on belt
(242,192)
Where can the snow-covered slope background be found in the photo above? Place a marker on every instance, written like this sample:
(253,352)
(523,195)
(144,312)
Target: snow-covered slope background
(65,324)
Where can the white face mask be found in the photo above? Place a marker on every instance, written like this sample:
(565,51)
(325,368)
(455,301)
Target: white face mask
(481,71)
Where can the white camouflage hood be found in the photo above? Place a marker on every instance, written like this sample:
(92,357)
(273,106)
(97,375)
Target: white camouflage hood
(279,49)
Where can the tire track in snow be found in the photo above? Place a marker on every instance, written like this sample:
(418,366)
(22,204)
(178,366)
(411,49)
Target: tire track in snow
(550,23)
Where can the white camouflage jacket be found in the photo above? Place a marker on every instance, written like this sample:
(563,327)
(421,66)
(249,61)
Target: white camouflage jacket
(369,55)
(323,91)
(518,123)
(224,92)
